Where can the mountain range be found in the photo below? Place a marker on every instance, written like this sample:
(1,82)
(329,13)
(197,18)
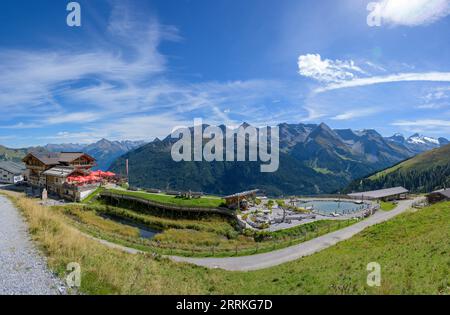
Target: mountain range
(418,143)
(15,155)
(314,159)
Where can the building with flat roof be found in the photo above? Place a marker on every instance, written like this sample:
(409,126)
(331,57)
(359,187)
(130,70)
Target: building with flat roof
(240,200)
(387,194)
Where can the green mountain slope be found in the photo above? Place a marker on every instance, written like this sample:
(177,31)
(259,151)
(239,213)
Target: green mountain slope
(152,166)
(15,155)
(423,173)
(314,159)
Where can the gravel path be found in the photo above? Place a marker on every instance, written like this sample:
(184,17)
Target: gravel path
(281,256)
(22,270)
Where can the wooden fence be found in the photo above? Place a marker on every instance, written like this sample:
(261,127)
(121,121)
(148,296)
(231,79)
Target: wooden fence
(115,198)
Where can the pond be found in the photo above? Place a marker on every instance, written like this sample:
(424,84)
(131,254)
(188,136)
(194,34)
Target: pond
(327,207)
(144,231)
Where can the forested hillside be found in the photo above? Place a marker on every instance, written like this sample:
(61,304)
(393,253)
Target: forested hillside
(424,173)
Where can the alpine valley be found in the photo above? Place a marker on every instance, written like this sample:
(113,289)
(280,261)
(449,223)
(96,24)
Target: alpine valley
(314,159)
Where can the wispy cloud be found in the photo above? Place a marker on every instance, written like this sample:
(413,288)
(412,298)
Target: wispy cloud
(120,88)
(357,113)
(436,98)
(339,74)
(137,127)
(401,77)
(376,66)
(83,117)
(431,106)
(436,127)
(431,123)
(326,70)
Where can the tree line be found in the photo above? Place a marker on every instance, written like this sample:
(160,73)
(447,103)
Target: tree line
(415,180)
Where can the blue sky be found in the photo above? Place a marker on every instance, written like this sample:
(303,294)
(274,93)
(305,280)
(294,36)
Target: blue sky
(137,69)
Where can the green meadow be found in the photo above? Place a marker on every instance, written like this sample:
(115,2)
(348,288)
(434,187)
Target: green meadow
(412,249)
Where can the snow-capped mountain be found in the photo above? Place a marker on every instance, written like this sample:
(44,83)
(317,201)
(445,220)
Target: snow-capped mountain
(420,139)
(418,143)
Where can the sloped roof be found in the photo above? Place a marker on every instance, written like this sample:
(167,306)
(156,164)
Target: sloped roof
(61,171)
(71,156)
(242,194)
(12,167)
(382,193)
(58,157)
(46,158)
(443,192)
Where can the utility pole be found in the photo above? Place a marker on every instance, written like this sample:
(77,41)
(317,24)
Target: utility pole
(127,171)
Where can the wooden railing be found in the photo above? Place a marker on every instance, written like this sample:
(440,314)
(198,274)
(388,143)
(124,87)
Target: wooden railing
(162,206)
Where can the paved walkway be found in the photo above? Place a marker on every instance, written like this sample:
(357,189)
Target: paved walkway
(22,270)
(274,258)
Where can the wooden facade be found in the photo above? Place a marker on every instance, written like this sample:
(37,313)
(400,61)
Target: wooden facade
(51,170)
(240,200)
(35,169)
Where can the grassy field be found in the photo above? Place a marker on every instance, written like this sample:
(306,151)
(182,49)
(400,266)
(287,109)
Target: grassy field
(210,236)
(203,202)
(90,218)
(387,206)
(93,195)
(412,249)
(439,156)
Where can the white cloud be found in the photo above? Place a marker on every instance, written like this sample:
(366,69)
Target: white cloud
(401,77)
(340,74)
(120,79)
(437,94)
(21,125)
(431,106)
(426,123)
(121,64)
(375,66)
(435,127)
(73,137)
(356,113)
(141,127)
(314,111)
(436,98)
(412,12)
(57,118)
(81,117)
(326,70)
